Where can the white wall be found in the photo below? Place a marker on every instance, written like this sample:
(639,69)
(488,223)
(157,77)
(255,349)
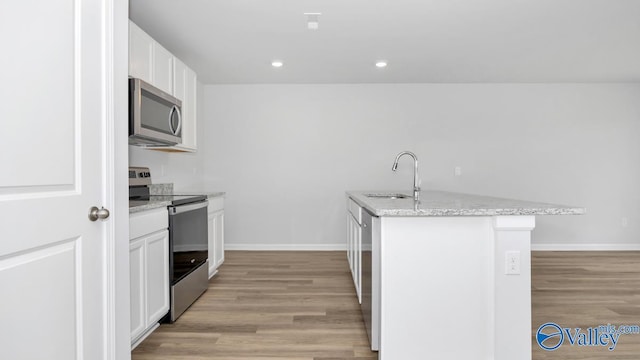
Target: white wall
(285,154)
(182,169)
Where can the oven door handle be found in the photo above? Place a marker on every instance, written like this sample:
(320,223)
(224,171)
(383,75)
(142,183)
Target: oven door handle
(175,210)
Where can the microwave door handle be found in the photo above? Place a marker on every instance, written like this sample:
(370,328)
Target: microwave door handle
(179,119)
(176,110)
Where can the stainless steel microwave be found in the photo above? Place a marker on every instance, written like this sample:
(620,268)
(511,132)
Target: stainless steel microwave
(155,117)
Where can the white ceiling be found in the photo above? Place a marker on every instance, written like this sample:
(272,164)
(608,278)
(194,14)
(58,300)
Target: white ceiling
(424,41)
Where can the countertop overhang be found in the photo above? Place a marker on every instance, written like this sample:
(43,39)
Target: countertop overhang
(443,203)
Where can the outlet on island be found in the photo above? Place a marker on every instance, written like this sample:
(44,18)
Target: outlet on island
(512,266)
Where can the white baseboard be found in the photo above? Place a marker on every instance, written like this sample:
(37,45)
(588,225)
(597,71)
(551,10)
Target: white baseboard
(585,247)
(343,247)
(286,247)
(144,335)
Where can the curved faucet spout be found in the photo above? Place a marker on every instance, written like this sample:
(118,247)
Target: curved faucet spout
(416,187)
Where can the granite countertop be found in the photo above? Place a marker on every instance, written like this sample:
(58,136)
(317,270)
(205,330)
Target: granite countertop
(136,206)
(161,197)
(442,203)
(209,194)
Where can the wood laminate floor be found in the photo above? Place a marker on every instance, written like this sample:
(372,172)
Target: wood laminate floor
(269,305)
(302,306)
(582,290)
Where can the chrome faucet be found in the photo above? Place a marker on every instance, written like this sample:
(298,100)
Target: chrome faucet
(416,188)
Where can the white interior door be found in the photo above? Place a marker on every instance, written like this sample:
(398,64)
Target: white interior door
(52,258)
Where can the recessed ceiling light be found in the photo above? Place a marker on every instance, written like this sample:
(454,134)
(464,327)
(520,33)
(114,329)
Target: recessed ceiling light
(381,64)
(277,63)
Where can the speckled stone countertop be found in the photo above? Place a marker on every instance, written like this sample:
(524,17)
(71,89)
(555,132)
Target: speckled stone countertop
(159,201)
(210,194)
(136,206)
(442,203)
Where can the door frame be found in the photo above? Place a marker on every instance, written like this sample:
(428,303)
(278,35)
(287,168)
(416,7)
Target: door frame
(116,162)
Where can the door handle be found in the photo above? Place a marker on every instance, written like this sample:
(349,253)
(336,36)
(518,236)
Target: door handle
(95,213)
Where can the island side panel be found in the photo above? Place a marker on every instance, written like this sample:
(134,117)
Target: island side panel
(437,276)
(512,235)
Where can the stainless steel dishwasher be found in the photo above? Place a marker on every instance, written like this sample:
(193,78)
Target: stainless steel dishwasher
(370,280)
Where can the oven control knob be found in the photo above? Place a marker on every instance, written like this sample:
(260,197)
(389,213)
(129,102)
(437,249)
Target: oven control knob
(193,261)
(95,213)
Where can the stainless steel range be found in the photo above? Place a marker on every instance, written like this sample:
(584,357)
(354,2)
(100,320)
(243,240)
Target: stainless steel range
(188,251)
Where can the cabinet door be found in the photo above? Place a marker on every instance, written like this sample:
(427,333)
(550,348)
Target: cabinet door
(137,287)
(354,240)
(219,239)
(189,110)
(179,74)
(185,89)
(349,239)
(211,224)
(358,262)
(162,68)
(216,241)
(140,53)
(157,276)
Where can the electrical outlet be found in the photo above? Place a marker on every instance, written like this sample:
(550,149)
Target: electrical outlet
(624,222)
(512,263)
(457,171)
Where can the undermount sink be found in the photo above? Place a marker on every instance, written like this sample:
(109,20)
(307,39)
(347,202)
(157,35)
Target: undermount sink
(387,195)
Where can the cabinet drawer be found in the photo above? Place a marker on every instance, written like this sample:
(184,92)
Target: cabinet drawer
(147,222)
(355,210)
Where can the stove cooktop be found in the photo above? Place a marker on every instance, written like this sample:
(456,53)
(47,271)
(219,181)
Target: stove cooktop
(175,200)
(139,192)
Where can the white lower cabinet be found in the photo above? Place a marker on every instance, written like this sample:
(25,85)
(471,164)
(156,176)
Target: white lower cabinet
(148,271)
(157,276)
(216,234)
(354,245)
(137,287)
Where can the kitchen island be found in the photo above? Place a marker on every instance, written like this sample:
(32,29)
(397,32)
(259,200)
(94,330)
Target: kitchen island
(447,276)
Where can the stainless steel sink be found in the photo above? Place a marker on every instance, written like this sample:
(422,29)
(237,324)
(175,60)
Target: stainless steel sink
(387,195)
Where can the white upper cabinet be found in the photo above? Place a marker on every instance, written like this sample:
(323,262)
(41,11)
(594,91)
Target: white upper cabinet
(162,69)
(185,84)
(140,54)
(179,86)
(148,60)
(151,62)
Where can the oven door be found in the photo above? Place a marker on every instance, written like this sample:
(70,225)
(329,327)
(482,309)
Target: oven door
(188,238)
